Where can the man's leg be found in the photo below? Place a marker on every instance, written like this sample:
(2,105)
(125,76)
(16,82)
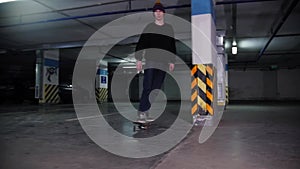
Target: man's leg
(157,81)
(147,88)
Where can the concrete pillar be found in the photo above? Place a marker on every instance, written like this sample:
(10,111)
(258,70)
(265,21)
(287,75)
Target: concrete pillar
(47,76)
(204,57)
(102,82)
(221,68)
(226,79)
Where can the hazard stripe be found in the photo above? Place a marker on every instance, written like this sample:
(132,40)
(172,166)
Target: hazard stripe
(202,104)
(194,83)
(193,71)
(101,94)
(209,89)
(201,85)
(209,70)
(202,88)
(209,109)
(194,92)
(209,96)
(202,96)
(50,94)
(194,109)
(194,95)
(202,69)
(209,83)
(198,86)
(227,94)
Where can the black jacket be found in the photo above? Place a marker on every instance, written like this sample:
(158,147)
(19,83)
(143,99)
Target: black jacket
(157,37)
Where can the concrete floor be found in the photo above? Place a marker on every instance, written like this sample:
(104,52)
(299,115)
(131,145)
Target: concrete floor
(256,135)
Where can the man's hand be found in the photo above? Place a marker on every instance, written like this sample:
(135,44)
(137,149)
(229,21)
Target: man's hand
(171,67)
(139,66)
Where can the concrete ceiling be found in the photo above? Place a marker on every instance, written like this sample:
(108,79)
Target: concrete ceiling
(267,31)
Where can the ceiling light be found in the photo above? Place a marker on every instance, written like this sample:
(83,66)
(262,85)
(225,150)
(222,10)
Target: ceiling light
(234,50)
(3,1)
(234,43)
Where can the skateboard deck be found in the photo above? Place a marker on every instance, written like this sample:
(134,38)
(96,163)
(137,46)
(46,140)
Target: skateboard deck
(140,126)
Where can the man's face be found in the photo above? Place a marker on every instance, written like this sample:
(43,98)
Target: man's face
(159,15)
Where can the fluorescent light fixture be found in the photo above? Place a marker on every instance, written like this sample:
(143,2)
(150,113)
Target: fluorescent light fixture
(227,44)
(234,50)
(3,1)
(252,43)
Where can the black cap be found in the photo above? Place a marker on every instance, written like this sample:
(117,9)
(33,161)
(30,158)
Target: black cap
(158,6)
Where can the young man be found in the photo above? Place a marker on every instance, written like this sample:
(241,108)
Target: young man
(157,35)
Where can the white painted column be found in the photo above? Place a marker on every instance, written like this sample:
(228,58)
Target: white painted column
(203,32)
(47,76)
(102,82)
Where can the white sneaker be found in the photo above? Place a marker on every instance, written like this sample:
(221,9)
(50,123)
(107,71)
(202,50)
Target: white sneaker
(148,118)
(141,117)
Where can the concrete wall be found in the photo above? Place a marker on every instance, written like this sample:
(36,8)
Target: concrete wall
(264,85)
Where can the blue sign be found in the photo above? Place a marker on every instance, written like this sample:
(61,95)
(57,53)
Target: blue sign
(103,80)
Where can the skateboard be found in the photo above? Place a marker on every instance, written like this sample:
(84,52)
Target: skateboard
(140,126)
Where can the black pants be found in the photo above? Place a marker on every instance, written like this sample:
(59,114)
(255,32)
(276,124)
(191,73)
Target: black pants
(153,79)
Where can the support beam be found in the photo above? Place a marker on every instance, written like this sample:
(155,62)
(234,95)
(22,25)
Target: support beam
(287,13)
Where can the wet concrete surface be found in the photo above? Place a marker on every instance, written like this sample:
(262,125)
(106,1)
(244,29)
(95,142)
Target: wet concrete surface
(260,136)
(49,137)
(264,136)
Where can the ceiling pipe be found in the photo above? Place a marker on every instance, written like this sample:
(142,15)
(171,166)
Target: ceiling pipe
(240,1)
(70,9)
(117,12)
(62,13)
(130,5)
(234,18)
(289,10)
(93,15)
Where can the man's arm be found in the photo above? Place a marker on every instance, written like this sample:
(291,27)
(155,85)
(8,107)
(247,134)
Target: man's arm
(141,45)
(173,50)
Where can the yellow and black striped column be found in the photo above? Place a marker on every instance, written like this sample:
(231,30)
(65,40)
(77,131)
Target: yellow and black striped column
(101,94)
(50,94)
(202,86)
(227,94)
(209,89)
(198,87)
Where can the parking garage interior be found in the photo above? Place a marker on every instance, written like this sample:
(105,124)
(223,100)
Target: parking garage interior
(259,125)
